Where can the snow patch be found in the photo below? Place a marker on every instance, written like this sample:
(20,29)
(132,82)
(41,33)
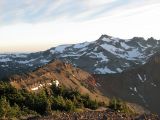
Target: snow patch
(5,60)
(124,45)
(149,45)
(119,69)
(83,49)
(81,45)
(4,65)
(56,82)
(21,55)
(3,55)
(95,49)
(98,55)
(106,39)
(113,50)
(153,84)
(44,61)
(98,84)
(135,89)
(35,88)
(52,51)
(61,48)
(30,65)
(73,54)
(115,39)
(145,78)
(104,70)
(141,45)
(95,64)
(25,61)
(141,79)
(132,54)
(139,76)
(130,88)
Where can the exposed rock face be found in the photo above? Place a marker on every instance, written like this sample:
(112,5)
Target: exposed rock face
(105,55)
(140,85)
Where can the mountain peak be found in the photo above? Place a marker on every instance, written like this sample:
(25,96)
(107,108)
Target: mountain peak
(103,37)
(151,39)
(138,39)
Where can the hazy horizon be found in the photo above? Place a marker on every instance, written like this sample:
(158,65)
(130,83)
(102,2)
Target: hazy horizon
(37,25)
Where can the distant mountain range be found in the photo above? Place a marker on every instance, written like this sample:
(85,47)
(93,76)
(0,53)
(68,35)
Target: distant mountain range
(127,69)
(105,55)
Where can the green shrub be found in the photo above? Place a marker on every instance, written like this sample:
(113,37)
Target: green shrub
(115,104)
(4,108)
(15,111)
(6,111)
(14,103)
(91,104)
(70,106)
(58,103)
(119,105)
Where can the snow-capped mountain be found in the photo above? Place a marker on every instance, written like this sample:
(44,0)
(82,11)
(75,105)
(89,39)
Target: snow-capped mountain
(105,55)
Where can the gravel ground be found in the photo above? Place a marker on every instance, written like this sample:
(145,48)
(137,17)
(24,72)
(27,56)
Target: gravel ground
(95,115)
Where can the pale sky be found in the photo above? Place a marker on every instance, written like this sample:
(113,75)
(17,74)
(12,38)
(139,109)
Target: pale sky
(33,25)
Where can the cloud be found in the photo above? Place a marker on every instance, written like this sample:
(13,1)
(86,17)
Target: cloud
(93,3)
(32,25)
(34,11)
(43,10)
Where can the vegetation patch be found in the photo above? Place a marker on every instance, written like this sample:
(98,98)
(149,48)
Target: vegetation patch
(16,103)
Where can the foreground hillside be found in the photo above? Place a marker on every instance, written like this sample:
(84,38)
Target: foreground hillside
(61,74)
(21,104)
(105,55)
(58,86)
(60,103)
(140,85)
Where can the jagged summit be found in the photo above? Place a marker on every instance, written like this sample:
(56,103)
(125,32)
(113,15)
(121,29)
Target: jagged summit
(104,36)
(108,39)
